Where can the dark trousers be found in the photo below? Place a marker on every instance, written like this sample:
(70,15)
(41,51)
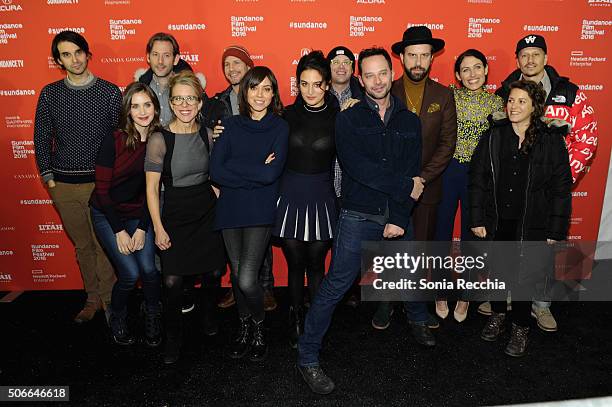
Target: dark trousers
(344,269)
(454,193)
(246,248)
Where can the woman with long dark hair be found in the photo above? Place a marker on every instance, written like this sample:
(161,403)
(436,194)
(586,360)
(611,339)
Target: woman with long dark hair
(474,104)
(520,190)
(307,215)
(179,157)
(120,216)
(247,162)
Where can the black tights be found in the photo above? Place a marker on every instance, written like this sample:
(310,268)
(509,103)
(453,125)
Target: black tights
(174,298)
(303,257)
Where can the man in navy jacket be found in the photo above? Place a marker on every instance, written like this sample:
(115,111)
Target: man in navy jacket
(379,147)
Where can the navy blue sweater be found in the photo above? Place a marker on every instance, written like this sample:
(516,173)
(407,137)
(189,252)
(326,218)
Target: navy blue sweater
(379,161)
(249,187)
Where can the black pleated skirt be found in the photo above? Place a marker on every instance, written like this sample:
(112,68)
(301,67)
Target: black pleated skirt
(306,208)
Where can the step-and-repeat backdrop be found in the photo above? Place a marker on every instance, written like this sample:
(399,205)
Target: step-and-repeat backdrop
(35,252)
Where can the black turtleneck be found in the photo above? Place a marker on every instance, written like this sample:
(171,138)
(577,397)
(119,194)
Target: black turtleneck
(312,145)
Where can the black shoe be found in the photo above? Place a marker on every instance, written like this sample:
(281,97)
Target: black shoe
(316,379)
(153,328)
(119,330)
(495,326)
(382,317)
(172,350)
(352,301)
(210,324)
(517,346)
(296,325)
(259,348)
(188,301)
(432,322)
(241,344)
(422,334)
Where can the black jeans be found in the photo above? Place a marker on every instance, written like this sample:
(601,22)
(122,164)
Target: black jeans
(246,248)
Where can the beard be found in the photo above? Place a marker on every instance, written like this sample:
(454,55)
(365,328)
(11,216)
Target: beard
(417,76)
(379,96)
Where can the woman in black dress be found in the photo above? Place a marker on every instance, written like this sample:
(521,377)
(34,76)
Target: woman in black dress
(179,157)
(306,215)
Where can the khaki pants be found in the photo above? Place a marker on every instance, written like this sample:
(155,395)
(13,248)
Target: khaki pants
(72,203)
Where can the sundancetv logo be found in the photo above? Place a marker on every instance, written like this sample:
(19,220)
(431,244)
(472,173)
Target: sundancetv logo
(10,5)
(11,63)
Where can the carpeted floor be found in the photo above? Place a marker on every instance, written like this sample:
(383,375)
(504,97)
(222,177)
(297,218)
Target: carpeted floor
(40,345)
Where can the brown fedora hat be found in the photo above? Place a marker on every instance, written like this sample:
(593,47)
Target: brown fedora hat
(417,35)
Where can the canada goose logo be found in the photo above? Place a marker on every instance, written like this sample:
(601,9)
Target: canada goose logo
(530,40)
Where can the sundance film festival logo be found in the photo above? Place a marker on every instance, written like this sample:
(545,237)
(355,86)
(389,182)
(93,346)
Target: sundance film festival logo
(479,27)
(241,26)
(6,36)
(22,148)
(579,60)
(187,27)
(51,227)
(591,29)
(360,25)
(40,252)
(10,5)
(121,29)
(16,122)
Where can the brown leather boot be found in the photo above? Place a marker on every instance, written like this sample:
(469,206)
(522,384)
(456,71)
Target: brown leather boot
(270,303)
(228,299)
(88,312)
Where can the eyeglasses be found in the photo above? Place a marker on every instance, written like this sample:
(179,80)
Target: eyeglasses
(178,100)
(345,63)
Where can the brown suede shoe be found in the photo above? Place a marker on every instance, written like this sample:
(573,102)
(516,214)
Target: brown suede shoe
(228,299)
(88,312)
(269,301)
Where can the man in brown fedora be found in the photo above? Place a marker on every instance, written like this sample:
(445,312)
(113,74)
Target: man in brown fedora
(435,106)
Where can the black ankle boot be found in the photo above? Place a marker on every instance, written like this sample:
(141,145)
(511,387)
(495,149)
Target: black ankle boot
(119,330)
(296,325)
(210,324)
(259,348)
(153,328)
(241,344)
(172,350)
(517,346)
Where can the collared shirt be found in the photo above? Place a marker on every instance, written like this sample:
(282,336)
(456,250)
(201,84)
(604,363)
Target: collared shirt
(545,82)
(234,103)
(342,97)
(374,106)
(163,95)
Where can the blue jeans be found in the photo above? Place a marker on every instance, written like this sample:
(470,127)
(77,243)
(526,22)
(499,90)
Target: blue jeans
(141,264)
(344,269)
